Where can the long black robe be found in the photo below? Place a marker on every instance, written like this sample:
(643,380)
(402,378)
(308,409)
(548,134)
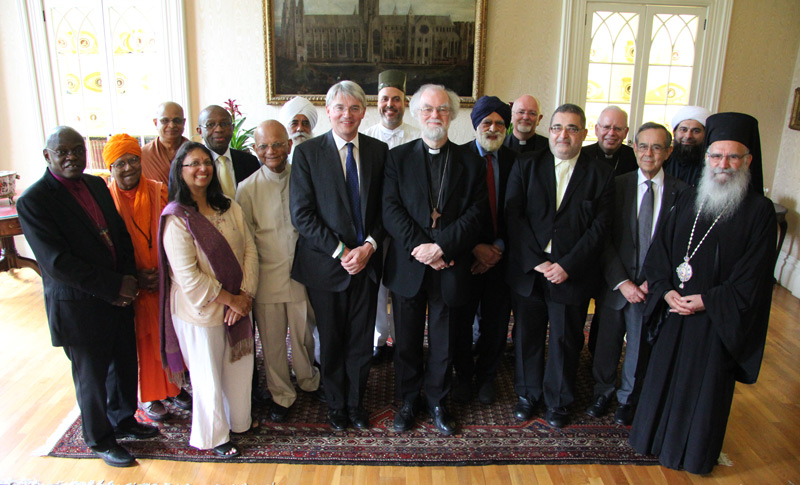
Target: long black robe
(696,359)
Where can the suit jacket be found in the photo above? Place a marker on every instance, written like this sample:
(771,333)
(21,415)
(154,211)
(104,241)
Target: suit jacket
(244,164)
(505,160)
(578,228)
(619,256)
(623,161)
(79,274)
(407,217)
(320,209)
(538,144)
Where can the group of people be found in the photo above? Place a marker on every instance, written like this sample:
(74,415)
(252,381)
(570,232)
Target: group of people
(347,239)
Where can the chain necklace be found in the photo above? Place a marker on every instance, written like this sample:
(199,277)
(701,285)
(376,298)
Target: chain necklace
(684,270)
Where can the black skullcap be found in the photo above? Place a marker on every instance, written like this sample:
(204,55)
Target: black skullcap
(486,105)
(392,79)
(744,129)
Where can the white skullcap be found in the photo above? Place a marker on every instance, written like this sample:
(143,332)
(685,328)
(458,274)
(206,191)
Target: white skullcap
(298,106)
(697,113)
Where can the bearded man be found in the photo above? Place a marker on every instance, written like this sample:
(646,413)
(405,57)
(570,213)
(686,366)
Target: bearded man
(299,117)
(710,290)
(688,134)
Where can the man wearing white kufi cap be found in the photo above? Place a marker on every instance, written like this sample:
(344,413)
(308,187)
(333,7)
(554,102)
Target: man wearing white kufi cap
(689,131)
(299,117)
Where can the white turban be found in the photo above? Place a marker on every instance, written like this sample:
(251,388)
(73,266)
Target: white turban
(298,106)
(697,113)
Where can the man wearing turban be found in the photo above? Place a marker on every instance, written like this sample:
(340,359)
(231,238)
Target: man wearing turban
(140,201)
(299,117)
(709,273)
(688,133)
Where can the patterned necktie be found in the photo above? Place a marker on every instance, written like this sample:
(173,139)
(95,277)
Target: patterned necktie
(492,191)
(226,178)
(645,224)
(562,169)
(352,192)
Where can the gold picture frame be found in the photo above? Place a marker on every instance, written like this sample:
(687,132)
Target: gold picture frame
(794,119)
(433,42)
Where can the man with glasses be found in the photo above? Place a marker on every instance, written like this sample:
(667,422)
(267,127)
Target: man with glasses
(158,154)
(611,129)
(280,303)
(434,207)
(232,166)
(89,275)
(643,199)
(525,117)
(335,195)
(559,207)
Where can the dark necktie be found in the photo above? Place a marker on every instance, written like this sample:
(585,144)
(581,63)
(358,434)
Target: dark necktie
(645,224)
(352,192)
(492,191)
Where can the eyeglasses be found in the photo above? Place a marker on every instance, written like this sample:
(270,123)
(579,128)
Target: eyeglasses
(442,110)
(174,121)
(571,129)
(616,129)
(207,163)
(733,157)
(340,109)
(132,162)
(75,152)
(643,147)
(488,124)
(275,146)
(522,112)
(222,124)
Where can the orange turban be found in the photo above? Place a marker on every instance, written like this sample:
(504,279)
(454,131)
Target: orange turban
(119,145)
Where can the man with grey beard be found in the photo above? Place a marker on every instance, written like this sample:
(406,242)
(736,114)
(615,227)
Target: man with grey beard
(299,117)
(710,288)
(488,290)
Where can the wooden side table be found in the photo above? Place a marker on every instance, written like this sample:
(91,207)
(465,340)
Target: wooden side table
(9,227)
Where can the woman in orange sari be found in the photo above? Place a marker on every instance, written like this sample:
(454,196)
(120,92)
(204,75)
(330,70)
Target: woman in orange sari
(140,201)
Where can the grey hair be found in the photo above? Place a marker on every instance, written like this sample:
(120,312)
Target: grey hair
(454,103)
(346,88)
(652,125)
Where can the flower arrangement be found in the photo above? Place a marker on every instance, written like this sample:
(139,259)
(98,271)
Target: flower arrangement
(242,139)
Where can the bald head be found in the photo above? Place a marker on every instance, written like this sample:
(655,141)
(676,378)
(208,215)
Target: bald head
(272,145)
(525,116)
(216,128)
(611,129)
(65,153)
(169,122)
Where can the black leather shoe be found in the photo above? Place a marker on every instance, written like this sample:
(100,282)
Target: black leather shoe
(278,413)
(114,455)
(486,393)
(557,417)
(523,411)
(404,417)
(319,394)
(443,421)
(624,415)
(137,431)
(183,400)
(337,418)
(358,418)
(599,407)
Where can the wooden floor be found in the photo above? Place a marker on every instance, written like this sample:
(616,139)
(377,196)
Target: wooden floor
(36,394)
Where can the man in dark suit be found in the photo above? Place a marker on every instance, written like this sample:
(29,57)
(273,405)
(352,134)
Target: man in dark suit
(335,195)
(433,207)
(559,207)
(525,117)
(232,166)
(488,289)
(642,201)
(611,129)
(88,271)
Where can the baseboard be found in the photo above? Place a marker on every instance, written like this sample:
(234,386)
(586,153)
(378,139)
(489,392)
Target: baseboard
(787,272)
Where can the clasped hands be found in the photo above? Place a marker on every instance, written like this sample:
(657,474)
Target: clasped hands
(127,292)
(486,257)
(633,293)
(553,272)
(431,254)
(356,259)
(239,305)
(684,305)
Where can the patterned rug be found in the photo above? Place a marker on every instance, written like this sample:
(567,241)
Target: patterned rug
(488,434)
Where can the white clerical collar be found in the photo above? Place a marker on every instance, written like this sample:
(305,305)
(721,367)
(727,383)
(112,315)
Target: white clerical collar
(522,142)
(658,179)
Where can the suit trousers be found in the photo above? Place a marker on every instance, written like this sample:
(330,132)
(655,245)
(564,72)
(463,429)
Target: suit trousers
(411,368)
(616,325)
(346,323)
(220,388)
(274,319)
(106,379)
(490,297)
(554,380)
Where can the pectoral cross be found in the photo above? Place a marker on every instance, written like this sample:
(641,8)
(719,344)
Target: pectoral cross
(435,215)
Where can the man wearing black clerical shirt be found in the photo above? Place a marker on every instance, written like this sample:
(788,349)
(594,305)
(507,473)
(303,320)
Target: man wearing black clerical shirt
(611,129)
(525,117)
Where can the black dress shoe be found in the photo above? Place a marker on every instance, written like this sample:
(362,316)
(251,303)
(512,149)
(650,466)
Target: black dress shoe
(523,411)
(358,418)
(337,418)
(599,407)
(319,394)
(486,393)
(114,455)
(557,417)
(443,421)
(137,431)
(183,400)
(260,397)
(404,417)
(624,415)
(278,413)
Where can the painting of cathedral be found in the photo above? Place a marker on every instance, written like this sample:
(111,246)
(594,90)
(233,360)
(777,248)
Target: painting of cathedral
(308,51)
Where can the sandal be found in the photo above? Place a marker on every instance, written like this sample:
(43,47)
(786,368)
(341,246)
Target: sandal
(226,450)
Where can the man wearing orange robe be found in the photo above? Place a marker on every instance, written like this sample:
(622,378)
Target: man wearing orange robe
(158,154)
(140,201)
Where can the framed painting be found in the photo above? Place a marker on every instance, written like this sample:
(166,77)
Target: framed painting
(313,44)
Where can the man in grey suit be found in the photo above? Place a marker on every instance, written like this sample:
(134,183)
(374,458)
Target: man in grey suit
(642,201)
(336,185)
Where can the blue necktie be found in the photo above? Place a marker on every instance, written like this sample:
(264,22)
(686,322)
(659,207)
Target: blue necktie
(352,192)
